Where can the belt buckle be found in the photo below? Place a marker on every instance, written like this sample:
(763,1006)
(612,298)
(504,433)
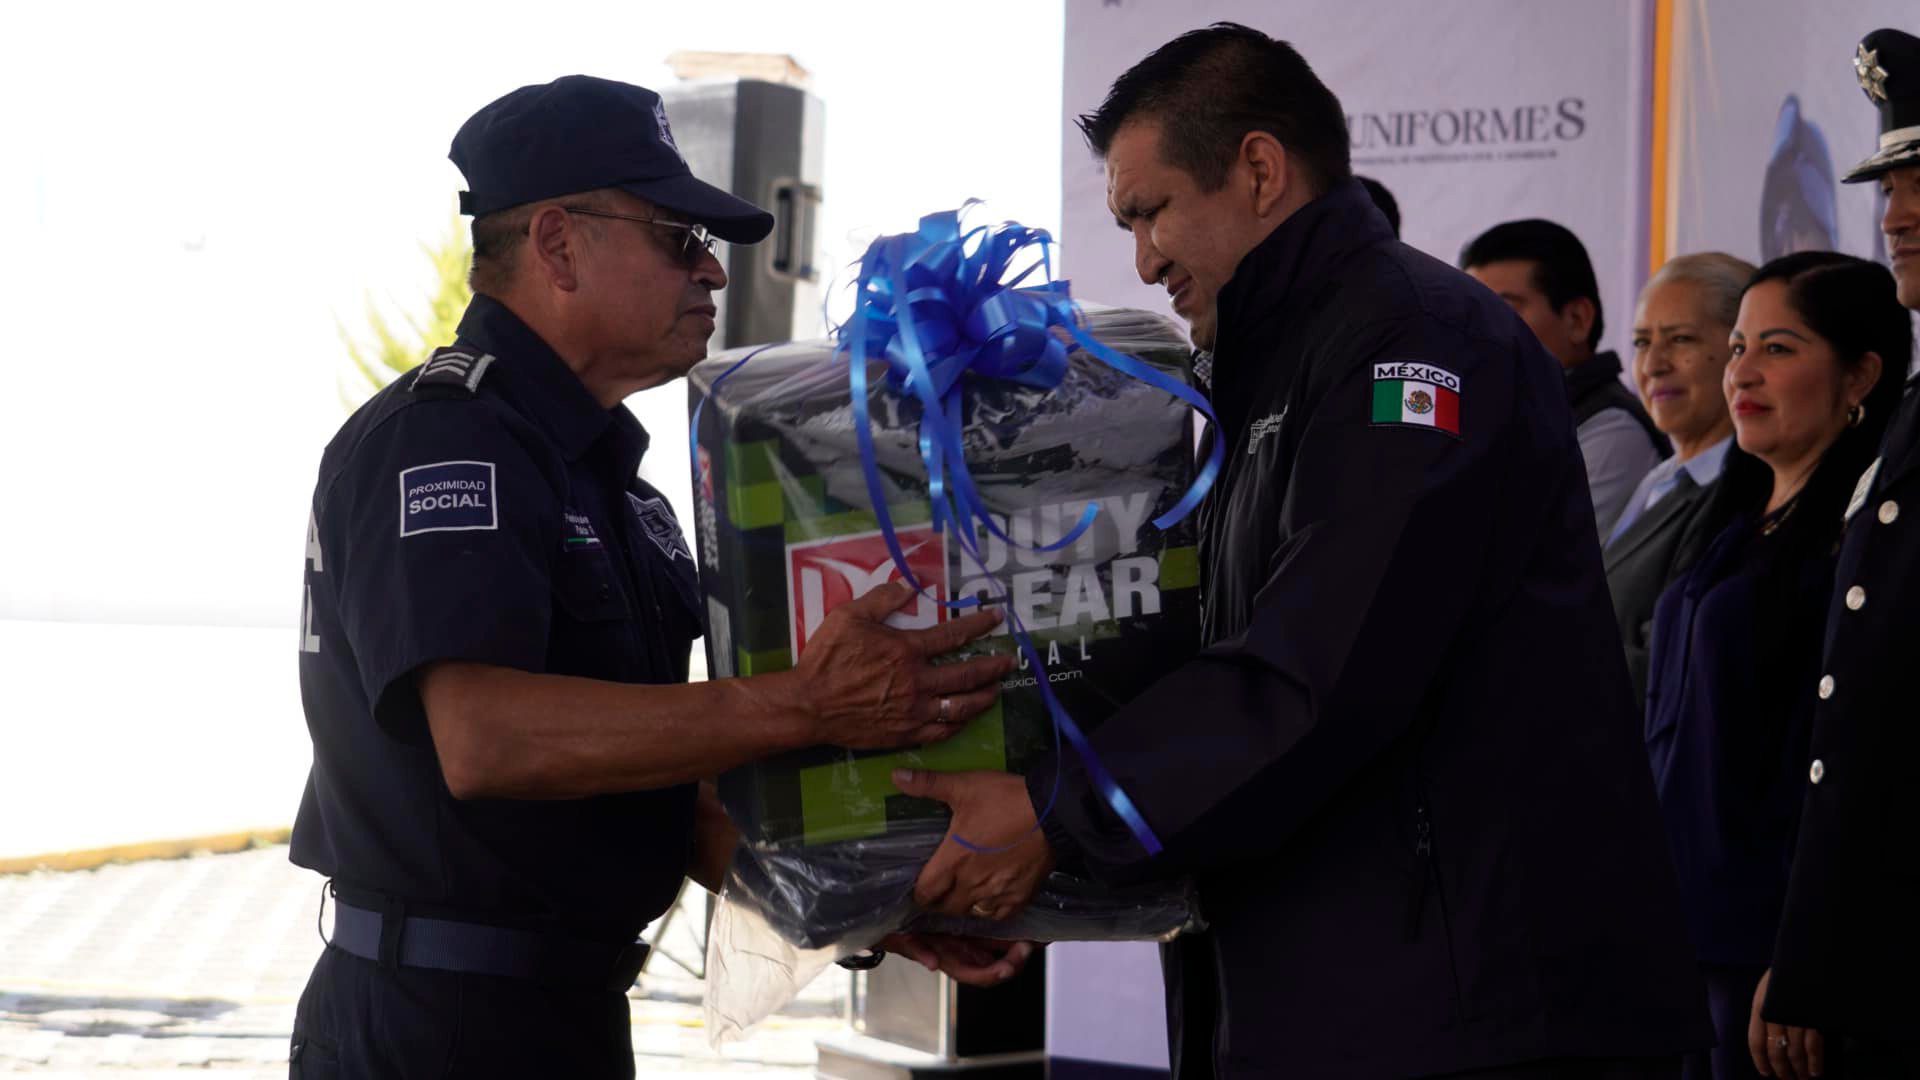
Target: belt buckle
(626,966)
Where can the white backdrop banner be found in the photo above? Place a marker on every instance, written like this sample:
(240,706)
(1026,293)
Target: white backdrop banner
(1767,115)
(1471,112)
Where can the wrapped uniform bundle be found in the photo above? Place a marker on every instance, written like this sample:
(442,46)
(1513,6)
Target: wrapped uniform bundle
(812,488)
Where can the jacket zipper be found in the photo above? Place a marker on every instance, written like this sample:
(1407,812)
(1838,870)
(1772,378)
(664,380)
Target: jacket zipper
(1427,876)
(1424,870)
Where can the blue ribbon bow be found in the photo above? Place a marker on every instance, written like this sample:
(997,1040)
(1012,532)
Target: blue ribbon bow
(936,305)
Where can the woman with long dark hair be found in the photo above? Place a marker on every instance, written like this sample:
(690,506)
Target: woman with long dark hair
(1819,352)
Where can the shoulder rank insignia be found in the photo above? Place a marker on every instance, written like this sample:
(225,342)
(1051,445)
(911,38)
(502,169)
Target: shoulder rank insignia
(452,366)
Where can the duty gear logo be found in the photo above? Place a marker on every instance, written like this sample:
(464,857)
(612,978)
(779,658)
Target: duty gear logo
(823,574)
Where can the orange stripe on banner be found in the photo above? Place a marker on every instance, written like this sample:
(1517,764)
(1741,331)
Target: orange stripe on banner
(1660,159)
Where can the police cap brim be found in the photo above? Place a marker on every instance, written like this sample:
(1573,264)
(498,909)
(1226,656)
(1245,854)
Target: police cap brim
(1898,156)
(727,216)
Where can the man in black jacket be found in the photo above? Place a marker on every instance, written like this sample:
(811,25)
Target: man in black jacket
(1847,953)
(1541,269)
(1405,770)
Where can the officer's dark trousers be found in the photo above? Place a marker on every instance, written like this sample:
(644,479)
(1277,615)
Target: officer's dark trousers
(1579,1069)
(1730,1003)
(358,1020)
(1872,1059)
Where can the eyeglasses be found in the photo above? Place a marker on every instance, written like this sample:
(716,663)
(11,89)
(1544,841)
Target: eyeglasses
(697,244)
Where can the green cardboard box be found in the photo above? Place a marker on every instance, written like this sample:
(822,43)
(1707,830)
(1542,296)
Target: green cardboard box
(786,532)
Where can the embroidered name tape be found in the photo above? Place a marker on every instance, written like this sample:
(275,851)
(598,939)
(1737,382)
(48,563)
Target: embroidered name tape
(448,496)
(1416,395)
(580,534)
(1262,428)
(661,527)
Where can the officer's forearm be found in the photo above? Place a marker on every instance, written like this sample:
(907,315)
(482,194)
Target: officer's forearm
(503,733)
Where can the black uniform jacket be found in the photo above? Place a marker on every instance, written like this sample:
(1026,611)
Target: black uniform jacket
(486,508)
(1405,769)
(1848,952)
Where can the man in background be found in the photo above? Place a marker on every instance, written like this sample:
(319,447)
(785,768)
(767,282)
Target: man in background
(1541,269)
(1383,201)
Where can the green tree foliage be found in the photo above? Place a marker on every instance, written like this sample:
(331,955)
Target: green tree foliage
(388,353)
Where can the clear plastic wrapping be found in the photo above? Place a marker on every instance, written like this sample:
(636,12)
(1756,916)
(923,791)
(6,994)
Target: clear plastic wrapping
(787,913)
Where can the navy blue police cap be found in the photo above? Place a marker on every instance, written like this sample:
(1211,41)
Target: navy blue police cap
(1887,64)
(578,133)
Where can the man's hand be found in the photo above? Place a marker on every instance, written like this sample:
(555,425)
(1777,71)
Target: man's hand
(974,961)
(1790,1053)
(868,686)
(990,810)
(714,839)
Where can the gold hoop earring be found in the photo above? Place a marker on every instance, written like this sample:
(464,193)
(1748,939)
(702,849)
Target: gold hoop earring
(1856,414)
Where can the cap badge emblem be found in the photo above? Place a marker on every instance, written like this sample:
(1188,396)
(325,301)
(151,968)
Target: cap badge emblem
(666,133)
(1873,77)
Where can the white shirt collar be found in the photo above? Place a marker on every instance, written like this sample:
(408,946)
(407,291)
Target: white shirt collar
(1705,466)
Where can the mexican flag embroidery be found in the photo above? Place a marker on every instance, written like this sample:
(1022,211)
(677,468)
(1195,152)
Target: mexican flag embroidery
(1416,394)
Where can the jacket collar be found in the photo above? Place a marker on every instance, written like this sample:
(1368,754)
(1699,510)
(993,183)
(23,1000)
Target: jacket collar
(544,389)
(1650,524)
(1285,270)
(1604,368)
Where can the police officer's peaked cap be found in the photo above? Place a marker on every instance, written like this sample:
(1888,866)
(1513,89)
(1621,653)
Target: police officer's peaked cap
(579,133)
(1887,64)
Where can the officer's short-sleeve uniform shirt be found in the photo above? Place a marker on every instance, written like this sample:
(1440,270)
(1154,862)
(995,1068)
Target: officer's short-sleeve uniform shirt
(486,508)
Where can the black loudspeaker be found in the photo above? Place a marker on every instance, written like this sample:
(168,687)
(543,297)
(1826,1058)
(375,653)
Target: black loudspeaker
(764,142)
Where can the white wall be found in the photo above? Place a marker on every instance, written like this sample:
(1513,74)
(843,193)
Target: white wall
(1105,1003)
(198,195)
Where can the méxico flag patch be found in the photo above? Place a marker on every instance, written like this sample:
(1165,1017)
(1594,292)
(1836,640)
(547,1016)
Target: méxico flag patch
(1418,395)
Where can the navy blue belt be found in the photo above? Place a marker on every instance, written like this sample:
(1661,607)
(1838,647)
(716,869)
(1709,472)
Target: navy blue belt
(476,949)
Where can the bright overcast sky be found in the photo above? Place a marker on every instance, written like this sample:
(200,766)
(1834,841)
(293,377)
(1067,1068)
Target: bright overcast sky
(199,195)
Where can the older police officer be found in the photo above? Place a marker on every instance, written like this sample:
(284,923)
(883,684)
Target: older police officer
(1847,954)
(1405,769)
(499,612)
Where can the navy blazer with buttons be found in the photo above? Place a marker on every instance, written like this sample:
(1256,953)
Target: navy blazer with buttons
(1736,645)
(1847,951)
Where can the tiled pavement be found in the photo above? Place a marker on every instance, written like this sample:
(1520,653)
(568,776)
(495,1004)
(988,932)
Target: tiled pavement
(197,963)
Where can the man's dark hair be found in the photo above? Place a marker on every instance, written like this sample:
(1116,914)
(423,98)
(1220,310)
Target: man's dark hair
(1561,270)
(1213,86)
(1383,200)
(499,237)
(497,240)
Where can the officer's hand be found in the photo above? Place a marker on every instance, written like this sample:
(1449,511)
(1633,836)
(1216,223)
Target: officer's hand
(991,811)
(1779,1050)
(869,686)
(974,961)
